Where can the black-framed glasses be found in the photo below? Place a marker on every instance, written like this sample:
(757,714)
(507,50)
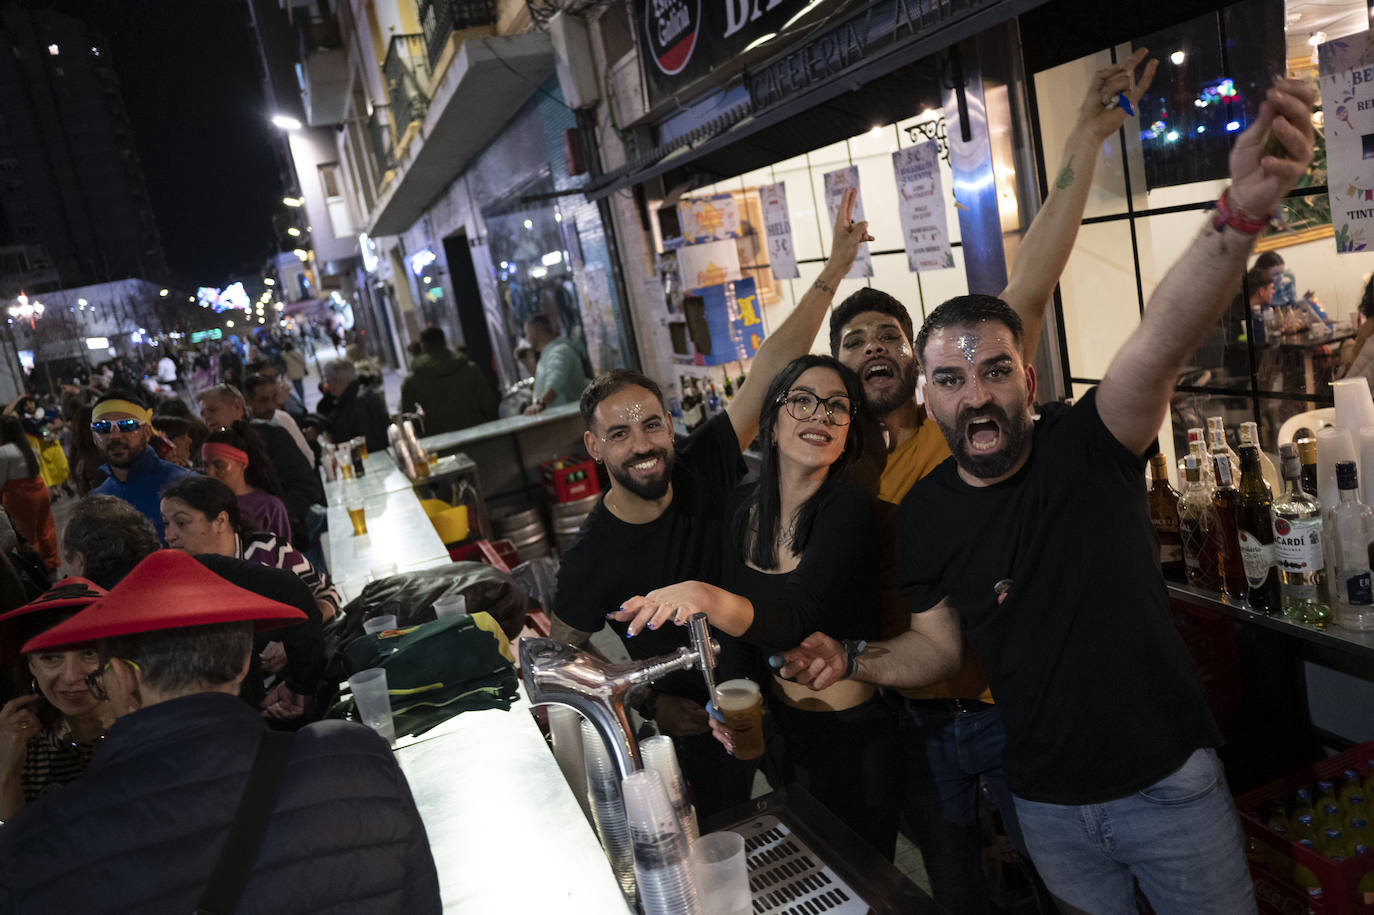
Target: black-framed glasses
(95,682)
(105,426)
(802,405)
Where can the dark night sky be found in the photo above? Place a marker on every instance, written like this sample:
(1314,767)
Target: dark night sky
(189,77)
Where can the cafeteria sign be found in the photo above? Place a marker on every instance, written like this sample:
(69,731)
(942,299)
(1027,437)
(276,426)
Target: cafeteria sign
(1346,73)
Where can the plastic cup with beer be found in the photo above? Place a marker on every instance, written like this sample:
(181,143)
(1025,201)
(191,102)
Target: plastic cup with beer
(360,445)
(357,513)
(344,455)
(740,703)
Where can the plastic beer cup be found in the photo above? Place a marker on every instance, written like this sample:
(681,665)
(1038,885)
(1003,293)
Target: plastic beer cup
(740,703)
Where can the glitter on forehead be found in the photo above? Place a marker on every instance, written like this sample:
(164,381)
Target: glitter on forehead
(634,411)
(968,345)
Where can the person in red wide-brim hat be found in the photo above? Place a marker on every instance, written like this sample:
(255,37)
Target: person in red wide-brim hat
(47,733)
(153,811)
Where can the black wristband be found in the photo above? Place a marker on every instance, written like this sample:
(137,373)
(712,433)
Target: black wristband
(852,649)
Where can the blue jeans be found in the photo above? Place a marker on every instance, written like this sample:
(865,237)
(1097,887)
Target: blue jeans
(1180,839)
(946,755)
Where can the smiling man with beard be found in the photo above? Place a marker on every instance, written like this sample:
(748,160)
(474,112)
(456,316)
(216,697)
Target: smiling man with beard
(121,427)
(662,521)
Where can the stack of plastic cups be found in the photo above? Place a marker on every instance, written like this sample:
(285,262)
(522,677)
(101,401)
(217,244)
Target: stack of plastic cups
(662,864)
(565,726)
(658,754)
(608,808)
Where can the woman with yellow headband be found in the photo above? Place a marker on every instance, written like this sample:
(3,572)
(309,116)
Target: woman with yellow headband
(234,457)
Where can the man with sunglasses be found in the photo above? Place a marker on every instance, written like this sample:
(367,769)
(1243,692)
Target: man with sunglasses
(121,427)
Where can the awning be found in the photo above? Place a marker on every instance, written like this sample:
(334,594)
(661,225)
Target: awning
(488,81)
(822,90)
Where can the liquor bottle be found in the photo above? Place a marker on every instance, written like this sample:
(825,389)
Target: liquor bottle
(713,403)
(1197,523)
(1255,535)
(1226,503)
(1164,516)
(1195,436)
(1298,548)
(1217,444)
(1352,527)
(1307,457)
(1249,435)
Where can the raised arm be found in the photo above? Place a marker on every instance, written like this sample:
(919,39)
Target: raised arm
(931,651)
(795,335)
(1042,254)
(1134,394)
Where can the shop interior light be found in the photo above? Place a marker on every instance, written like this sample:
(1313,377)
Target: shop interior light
(294,232)
(553,258)
(229,323)
(82,302)
(162,292)
(269,282)
(557,216)
(427,280)
(286,122)
(278,306)
(1232,126)
(190,298)
(538,273)
(54,50)
(1177,58)
(529,225)
(302,254)
(293,201)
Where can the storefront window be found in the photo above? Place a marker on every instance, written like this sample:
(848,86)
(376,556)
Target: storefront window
(1148,201)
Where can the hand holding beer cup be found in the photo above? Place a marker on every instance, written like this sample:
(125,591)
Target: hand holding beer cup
(738,706)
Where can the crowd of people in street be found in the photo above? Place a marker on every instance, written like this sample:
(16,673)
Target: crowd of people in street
(918,584)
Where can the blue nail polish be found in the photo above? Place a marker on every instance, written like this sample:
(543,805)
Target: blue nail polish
(652,626)
(611,615)
(1125,103)
(629,634)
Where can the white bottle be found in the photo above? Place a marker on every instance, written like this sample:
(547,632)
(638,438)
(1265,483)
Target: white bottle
(1352,582)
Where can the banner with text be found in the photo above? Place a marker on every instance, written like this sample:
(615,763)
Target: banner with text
(836,183)
(1346,72)
(706,219)
(921,206)
(708,264)
(782,257)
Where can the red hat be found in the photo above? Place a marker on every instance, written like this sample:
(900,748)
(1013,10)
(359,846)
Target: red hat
(167,590)
(53,606)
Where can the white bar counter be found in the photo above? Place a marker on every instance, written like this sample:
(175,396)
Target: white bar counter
(506,831)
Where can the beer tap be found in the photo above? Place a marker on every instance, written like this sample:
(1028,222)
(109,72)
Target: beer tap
(557,673)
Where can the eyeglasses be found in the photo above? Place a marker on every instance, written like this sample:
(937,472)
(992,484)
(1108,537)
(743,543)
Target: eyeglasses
(803,404)
(105,426)
(96,684)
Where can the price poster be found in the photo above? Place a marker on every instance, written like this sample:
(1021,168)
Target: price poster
(706,219)
(708,264)
(1346,73)
(836,183)
(733,321)
(921,206)
(782,257)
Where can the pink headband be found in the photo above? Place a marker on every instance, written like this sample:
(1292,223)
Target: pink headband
(219,449)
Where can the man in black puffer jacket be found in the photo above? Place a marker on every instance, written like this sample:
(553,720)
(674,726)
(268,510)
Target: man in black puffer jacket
(143,829)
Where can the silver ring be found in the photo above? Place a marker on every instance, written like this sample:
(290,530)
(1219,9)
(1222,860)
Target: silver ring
(1113,102)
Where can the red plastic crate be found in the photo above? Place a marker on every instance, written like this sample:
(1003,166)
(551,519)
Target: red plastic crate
(1272,856)
(568,479)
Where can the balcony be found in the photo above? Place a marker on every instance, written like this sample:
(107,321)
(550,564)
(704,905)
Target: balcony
(323,71)
(379,133)
(406,73)
(440,18)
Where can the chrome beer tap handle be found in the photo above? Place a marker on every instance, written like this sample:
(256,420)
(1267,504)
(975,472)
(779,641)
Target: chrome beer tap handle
(705,649)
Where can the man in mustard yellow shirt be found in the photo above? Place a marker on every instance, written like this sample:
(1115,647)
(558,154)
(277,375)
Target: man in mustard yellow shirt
(952,732)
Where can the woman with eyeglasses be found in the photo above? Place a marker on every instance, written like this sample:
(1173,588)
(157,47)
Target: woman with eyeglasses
(49,731)
(23,492)
(803,557)
(235,457)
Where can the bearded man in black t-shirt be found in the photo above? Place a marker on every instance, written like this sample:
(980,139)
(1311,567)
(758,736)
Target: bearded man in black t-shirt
(1047,563)
(662,521)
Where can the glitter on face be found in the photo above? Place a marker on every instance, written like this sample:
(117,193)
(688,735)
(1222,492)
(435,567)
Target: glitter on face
(968,345)
(904,350)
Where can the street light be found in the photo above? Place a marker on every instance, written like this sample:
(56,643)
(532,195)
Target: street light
(163,293)
(25,310)
(286,122)
(303,254)
(294,232)
(269,282)
(293,201)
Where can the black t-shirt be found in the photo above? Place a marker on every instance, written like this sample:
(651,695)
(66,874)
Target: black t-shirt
(1097,691)
(613,561)
(833,589)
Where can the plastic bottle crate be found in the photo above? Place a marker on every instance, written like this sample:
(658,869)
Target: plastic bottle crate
(1272,855)
(568,479)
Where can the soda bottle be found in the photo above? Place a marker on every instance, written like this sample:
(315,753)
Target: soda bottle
(1350,787)
(1303,876)
(1361,837)
(1304,829)
(1335,845)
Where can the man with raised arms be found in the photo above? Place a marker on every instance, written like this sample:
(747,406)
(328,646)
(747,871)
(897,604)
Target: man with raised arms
(1046,562)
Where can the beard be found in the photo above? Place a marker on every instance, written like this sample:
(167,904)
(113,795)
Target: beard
(882,404)
(1015,433)
(121,455)
(652,489)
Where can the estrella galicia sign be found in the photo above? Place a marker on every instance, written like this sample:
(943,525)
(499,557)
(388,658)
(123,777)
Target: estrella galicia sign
(673,27)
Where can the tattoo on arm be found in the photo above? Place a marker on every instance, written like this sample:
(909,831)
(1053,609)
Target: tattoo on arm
(1065,175)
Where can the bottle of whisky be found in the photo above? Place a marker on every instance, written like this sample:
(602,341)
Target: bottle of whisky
(1217,444)
(1196,435)
(1307,457)
(1197,523)
(1164,516)
(1298,548)
(1352,530)
(1249,435)
(1255,535)
(1226,503)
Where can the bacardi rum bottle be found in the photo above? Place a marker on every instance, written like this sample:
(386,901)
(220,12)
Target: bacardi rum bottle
(1298,548)
(1197,522)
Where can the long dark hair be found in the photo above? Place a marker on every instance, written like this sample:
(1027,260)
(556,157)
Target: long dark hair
(12,433)
(757,521)
(208,496)
(259,474)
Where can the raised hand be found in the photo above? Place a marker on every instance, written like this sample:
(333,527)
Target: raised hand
(819,661)
(1258,181)
(1101,111)
(848,235)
